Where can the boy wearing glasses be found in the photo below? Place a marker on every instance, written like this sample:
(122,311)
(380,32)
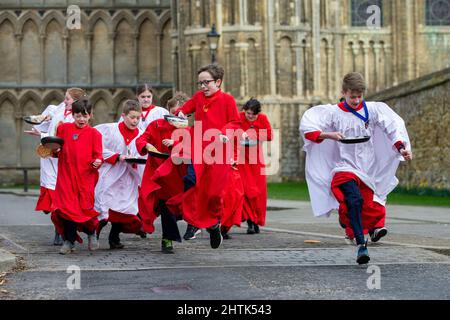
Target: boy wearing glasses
(206,178)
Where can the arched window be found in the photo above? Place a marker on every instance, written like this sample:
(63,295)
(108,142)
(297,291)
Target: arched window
(437,13)
(362,12)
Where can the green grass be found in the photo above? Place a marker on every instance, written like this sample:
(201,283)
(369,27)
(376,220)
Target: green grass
(418,197)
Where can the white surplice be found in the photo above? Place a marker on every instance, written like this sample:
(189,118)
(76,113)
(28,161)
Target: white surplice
(374,162)
(117,187)
(49,166)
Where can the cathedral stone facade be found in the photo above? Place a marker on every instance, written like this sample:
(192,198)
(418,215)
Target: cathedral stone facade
(290,54)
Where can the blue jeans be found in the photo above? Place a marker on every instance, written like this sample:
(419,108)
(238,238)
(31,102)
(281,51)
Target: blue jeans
(189,179)
(354,202)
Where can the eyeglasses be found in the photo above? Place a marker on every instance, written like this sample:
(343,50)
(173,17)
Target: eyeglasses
(204,82)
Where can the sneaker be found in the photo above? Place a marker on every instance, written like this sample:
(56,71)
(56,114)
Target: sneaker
(362,257)
(67,247)
(166,246)
(251,227)
(93,242)
(225,235)
(116,245)
(215,236)
(58,240)
(191,232)
(377,234)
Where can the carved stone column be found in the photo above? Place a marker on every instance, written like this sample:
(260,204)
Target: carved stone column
(112,37)
(376,52)
(42,38)
(88,38)
(19,38)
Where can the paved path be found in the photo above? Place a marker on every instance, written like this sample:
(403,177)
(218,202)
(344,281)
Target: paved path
(413,260)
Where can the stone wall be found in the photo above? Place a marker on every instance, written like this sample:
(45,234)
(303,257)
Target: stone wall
(424,105)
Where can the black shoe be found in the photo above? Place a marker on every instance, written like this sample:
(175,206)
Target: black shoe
(191,232)
(215,236)
(225,235)
(166,246)
(116,245)
(142,234)
(256,227)
(251,227)
(377,234)
(58,240)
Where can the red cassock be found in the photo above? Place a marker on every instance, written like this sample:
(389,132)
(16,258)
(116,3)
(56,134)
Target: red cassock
(160,185)
(73,198)
(44,202)
(203,203)
(233,200)
(251,167)
(373,214)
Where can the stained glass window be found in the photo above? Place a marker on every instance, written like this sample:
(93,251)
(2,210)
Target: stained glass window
(437,12)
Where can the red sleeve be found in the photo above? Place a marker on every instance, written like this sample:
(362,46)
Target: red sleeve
(314,136)
(97,152)
(265,135)
(189,106)
(233,118)
(399,145)
(143,139)
(113,159)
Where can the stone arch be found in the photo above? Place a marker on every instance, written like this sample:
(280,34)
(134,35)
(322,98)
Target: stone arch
(8,95)
(124,52)
(166,51)
(27,16)
(123,15)
(120,96)
(165,96)
(53,15)
(9,16)
(24,105)
(285,62)
(52,97)
(8,52)
(102,53)
(8,132)
(254,71)
(95,17)
(163,20)
(54,52)
(31,62)
(147,54)
(233,81)
(147,14)
(103,107)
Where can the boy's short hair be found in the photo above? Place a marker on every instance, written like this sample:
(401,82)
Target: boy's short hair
(76,93)
(215,70)
(252,104)
(82,106)
(177,100)
(354,81)
(131,105)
